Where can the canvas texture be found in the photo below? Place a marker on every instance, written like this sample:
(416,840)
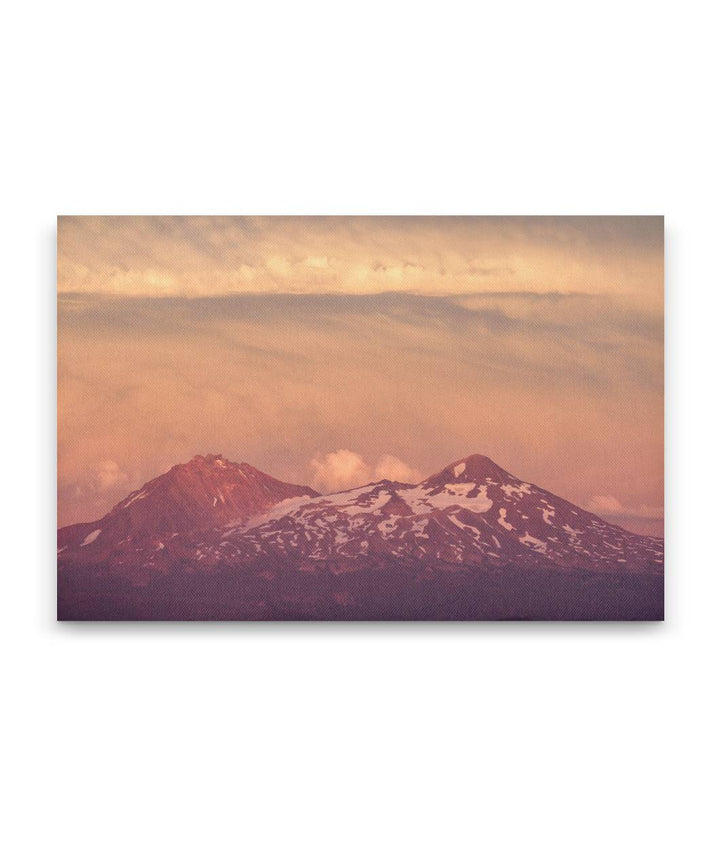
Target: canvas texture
(360,418)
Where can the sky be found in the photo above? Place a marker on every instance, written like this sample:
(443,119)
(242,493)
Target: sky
(334,351)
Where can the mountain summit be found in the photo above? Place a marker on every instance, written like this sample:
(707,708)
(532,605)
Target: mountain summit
(206,491)
(476,468)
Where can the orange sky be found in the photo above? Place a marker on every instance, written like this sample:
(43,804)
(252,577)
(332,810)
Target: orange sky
(327,350)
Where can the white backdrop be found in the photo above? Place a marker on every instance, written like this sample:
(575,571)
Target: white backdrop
(359,739)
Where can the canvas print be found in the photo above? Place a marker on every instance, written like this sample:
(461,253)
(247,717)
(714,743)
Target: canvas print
(360,418)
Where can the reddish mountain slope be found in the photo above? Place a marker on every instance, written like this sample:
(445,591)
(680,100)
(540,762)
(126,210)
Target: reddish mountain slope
(206,492)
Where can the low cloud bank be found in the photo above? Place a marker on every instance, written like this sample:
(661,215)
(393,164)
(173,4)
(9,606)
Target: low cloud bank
(344,469)
(609,506)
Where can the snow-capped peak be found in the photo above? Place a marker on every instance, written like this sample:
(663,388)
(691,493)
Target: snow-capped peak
(474,468)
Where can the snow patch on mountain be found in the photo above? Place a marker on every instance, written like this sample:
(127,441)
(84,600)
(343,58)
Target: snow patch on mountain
(512,491)
(372,507)
(90,538)
(503,521)
(138,496)
(535,543)
(421,499)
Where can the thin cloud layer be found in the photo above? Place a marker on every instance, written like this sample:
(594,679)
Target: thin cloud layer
(565,391)
(201,256)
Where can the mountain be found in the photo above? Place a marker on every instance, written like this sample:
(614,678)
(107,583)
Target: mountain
(228,525)
(471,513)
(207,491)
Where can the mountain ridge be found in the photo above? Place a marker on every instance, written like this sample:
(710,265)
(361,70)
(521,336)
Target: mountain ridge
(211,539)
(471,512)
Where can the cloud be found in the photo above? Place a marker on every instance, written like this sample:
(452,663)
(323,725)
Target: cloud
(604,505)
(345,469)
(339,470)
(609,506)
(109,476)
(564,391)
(390,467)
(88,492)
(194,256)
